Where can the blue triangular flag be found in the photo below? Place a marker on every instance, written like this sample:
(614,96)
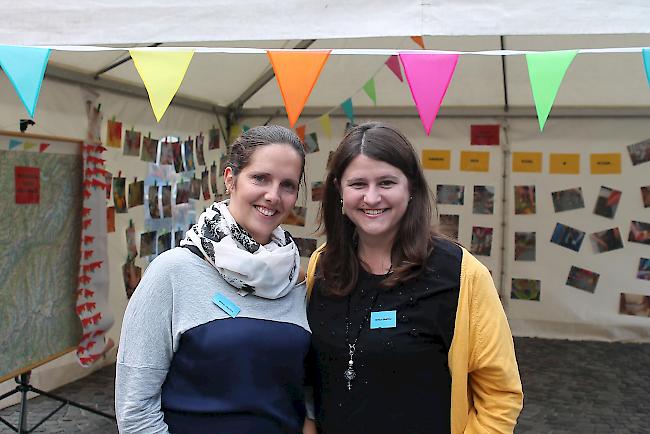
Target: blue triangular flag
(13,143)
(646,63)
(25,67)
(347,108)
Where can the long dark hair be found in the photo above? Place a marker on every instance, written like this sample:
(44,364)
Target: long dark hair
(338,263)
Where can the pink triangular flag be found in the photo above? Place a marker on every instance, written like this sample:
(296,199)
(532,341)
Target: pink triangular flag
(428,76)
(393,65)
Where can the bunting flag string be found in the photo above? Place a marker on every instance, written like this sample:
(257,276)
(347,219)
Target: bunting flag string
(162,73)
(25,68)
(546,71)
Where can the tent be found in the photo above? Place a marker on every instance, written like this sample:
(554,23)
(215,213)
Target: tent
(602,106)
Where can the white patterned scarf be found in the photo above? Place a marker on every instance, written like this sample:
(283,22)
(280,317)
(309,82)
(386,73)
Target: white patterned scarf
(268,271)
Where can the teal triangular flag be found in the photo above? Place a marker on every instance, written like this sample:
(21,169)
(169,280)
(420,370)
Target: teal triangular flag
(546,71)
(369,89)
(347,108)
(245,128)
(25,67)
(646,63)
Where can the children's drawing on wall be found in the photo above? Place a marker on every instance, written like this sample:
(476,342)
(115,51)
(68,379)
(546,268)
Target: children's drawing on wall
(525,246)
(136,193)
(166,199)
(524,199)
(645,196)
(582,279)
(154,208)
(182,192)
(566,200)
(481,241)
(164,242)
(195,188)
(568,237)
(131,275)
(131,248)
(205,184)
(200,157)
(639,152)
(119,197)
(526,289)
(110,219)
(448,225)
(166,153)
(306,246)
(188,154)
(317,190)
(607,202)
(148,243)
(634,304)
(639,232)
(178,157)
(114,134)
(132,143)
(297,216)
(149,149)
(607,240)
(450,194)
(644,269)
(483,199)
(213,139)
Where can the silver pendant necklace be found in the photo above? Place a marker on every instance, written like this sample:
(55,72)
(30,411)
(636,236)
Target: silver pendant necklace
(350,374)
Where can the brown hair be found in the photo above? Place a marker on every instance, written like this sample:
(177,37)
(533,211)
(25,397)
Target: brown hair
(338,263)
(244,146)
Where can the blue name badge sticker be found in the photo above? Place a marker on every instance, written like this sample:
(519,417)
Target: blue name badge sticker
(226,305)
(385,319)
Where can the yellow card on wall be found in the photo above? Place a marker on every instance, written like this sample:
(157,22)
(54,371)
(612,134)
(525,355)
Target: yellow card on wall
(473,161)
(603,164)
(567,164)
(436,160)
(527,162)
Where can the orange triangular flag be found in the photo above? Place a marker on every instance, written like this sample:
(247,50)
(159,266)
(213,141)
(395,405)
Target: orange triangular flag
(296,73)
(418,40)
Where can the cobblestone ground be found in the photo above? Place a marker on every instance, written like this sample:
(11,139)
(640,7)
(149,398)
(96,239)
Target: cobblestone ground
(569,387)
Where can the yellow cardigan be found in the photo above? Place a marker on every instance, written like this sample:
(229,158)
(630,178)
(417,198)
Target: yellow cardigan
(486,394)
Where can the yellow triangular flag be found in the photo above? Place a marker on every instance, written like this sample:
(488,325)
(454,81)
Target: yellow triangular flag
(29,145)
(162,73)
(325,123)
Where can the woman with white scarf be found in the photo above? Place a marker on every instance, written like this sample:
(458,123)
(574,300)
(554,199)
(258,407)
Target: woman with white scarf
(215,335)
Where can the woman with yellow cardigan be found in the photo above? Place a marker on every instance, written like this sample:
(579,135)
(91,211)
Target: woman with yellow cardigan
(408,333)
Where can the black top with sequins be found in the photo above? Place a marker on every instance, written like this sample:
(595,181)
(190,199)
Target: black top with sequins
(402,382)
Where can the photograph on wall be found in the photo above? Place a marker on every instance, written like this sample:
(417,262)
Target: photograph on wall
(526,289)
(644,269)
(525,246)
(149,149)
(110,219)
(524,199)
(582,279)
(200,157)
(604,241)
(119,195)
(213,139)
(448,225)
(166,153)
(178,236)
(188,154)
(639,232)
(205,184)
(568,237)
(136,193)
(178,157)
(182,192)
(450,194)
(634,304)
(195,188)
(108,180)
(131,248)
(645,196)
(567,200)
(483,199)
(132,143)
(166,198)
(311,143)
(639,152)
(481,241)
(131,275)
(213,178)
(164,242)
(317,190)
(306,246)
(154,209)
(147,243)
(114,134)
(297,216)
(607,202)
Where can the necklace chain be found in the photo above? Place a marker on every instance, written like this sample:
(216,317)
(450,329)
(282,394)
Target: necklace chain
(350,374)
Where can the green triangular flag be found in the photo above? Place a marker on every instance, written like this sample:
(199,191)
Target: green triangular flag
(546,71)
(369,88)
